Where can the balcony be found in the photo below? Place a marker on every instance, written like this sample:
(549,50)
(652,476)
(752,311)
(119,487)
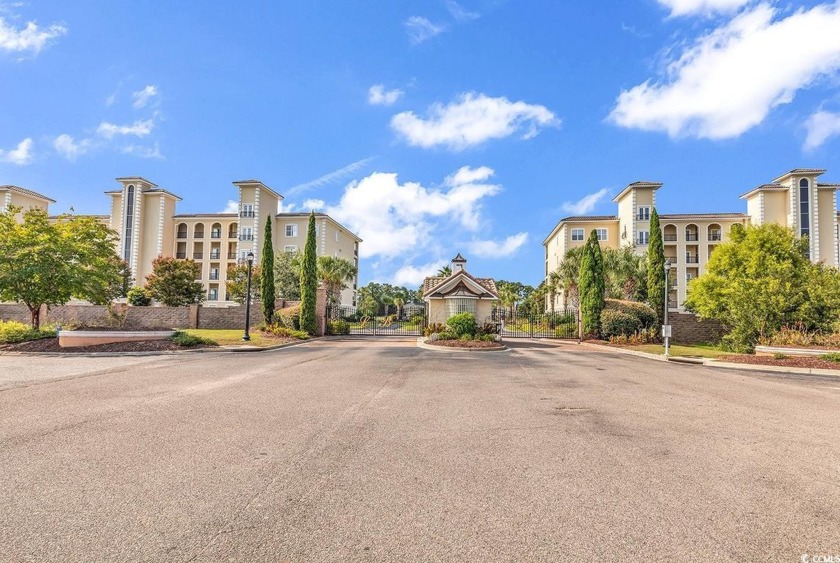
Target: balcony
(215,255)
(671,259)
(689,259)
(198,255)
(233,234)
(181,255)
(692,237)
(669,238)
(182,235)
(214,276)
(715,237)
(231,255)
(215,234)
(246,213)
(246,237)
(199,235)
(672,304)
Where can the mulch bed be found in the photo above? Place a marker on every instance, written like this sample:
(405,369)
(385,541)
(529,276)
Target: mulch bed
(51,345)
(466,344)
(793,362)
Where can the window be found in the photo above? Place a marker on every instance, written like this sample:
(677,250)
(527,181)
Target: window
(644,213)
(460,305)
(644,237)
(247,210)
(214,274)
(336,236)
(290,248)
(601,234)
(291,230)
(213,295)
(804,208)
(577,234)
(247,234)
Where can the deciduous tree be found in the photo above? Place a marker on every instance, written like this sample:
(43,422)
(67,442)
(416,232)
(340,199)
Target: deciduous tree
(173,282)
(237,281)
(287,275)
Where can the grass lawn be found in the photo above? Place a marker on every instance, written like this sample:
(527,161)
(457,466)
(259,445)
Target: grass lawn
(694,350)
(234,337)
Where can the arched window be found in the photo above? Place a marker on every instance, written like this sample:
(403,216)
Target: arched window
(216,230)
(804,207)
(129,223)
(198,230)
(182,230)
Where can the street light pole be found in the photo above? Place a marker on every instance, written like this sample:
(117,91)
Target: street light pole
(666,329)
(247,337)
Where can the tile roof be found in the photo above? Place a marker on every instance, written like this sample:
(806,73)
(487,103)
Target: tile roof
(828,185)
(186,215)
(24,191)
(673,216)
(589,218)
(430,283)
(817,171)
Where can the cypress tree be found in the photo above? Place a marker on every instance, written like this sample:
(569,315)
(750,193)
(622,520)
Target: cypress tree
(267,274)
(309,280)
(592,286)
(656,268)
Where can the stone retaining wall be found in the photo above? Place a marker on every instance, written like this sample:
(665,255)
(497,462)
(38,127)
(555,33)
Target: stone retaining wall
(686,328)
(194,316)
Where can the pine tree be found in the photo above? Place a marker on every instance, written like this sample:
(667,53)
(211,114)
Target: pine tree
(309,280)
(592,286)
(267,274)
(656,268)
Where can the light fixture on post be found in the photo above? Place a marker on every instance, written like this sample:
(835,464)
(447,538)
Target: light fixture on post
(666,328)
(250,258)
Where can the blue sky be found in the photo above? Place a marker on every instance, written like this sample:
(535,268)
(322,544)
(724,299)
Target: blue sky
(430,127)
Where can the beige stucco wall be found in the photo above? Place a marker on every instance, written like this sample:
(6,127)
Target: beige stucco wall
(26,202)
(438,310)
(827,218)
(776,207)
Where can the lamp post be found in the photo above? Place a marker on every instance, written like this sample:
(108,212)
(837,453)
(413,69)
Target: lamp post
(666,328)
(247,337)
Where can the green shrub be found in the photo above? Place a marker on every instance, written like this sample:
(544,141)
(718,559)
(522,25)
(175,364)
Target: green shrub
(139,297)
(831,357)
(12,332)
(289,317)
(188,340)
(645,315)
(487,329)
(446,335)
(619,323)
(338,327)
(434,328)
(780,356)
(277,329)
(799,335)
(462,323)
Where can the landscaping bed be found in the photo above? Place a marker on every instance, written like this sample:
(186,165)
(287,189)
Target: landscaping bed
(471,344)
(51,345)
(792,362)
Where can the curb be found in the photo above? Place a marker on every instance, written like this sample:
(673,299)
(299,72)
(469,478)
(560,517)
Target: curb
(209,350)
(422,344)
(649,356)
(772,369)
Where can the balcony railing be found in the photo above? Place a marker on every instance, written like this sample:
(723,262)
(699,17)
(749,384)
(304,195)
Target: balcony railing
(198,255)
(233,234)
(231,255)
(181,255)
(715,237)
(214,276)
(669,238)
(246,237)
(215,234)
(671,259)
(672,304)
(212,297)
(689,259)
(198,235)
(246,213)
(692,237)
(215,255)
(182,235)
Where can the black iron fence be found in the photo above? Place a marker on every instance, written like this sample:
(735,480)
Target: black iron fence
(561,323)
(403,321)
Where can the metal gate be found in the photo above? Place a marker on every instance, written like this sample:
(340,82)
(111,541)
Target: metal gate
(559,324)
(402,321)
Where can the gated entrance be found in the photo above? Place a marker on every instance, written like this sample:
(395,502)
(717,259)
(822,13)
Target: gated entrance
(403,321)
(559,324)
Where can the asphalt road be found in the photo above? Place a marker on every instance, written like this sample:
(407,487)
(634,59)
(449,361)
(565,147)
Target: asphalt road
(364,450)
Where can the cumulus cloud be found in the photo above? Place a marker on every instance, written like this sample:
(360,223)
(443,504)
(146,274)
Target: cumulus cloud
(728,80)
(394,218)
(412,276)
(21,155)
(459,13)
(702,7)
(139,128)
(69,148)
(585,204)
(420,29)
(331,177)
(379,96)
(30,38)
(142,97)
(232,206)
(470,120)
(494,249)
(313,204)
(143,151)
(821,126)
(467,175)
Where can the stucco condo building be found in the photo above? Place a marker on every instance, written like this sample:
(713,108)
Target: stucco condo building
(796,199)
(145,218)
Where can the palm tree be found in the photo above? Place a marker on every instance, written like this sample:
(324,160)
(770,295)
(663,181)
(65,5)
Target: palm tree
(568,273)
(508,297)
(335,273)
(446,271)
(625,272)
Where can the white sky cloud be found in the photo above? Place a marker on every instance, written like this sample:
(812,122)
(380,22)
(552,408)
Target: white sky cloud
(331,177)
(412,276)
(29,38)
(821,126)
(728,80)
(421,29)
(379,96)
(142,97)
(139,128)
(143,151)
(460,13)
(393,219)
(471,120)
(494,249)
(467,175)
(285,207)
(313,204)
(21,155)
(232,206)
(702,7)
(585,204)
(69,148)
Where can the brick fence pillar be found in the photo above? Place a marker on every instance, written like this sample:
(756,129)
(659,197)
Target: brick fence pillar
(194,312)
(320,311)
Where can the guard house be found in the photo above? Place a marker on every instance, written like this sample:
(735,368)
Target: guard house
(459,292)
